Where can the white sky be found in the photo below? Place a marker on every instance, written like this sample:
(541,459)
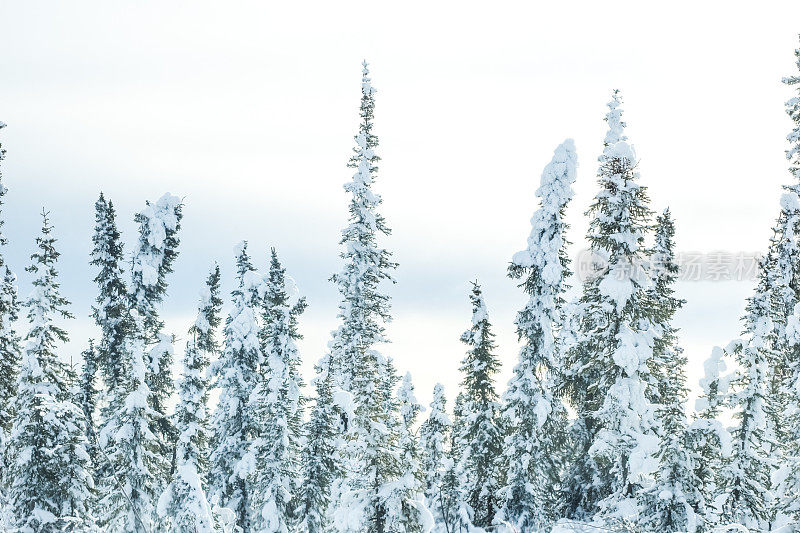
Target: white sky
(248,111)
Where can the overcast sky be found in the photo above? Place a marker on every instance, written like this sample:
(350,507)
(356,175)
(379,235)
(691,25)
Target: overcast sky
(247,110)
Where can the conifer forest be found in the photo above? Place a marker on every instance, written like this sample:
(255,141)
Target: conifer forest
(223,431)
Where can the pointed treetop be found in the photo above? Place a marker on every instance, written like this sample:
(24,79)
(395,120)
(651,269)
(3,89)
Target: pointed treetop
(366,82)
(793,110)
(665,233)
(614,143)
(554,193)
(616,126)
(559,174)
(409,407)
(243,263)
(665,226)
(479,313)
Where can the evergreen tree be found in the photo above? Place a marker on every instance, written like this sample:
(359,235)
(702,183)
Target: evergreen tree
(111,357)
(785,276)
(278,404)
(708,441)
(664,305)
(406,509)
(793,110)
(607,368)
(482,438)
(155,253)
(675,503)
(50,466)
(532,452)
(786,369)
(370,455)
(132,449)
(111,312)
(434,435)
(10,350)
(319,463)
(88,399)
(184,501)
(787,477)
(236,374)
(456,511)
(745,477)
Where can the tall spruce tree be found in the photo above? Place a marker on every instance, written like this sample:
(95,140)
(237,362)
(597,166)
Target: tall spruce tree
(51,470)
(10,350)
(675,503)
(434,434)
(787,367)
(184,502)
(113,361)
(320,465)
(153,258)
(278,404)
(745,478)
(537,419)
(708,440)
(370,455)
(406,508)
(456,511)
(606,370)
(481,436)
(111,312)
(787,477)
(236,374)
(129,498)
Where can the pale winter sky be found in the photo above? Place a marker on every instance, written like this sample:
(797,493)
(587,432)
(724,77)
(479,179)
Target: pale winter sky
(247,110)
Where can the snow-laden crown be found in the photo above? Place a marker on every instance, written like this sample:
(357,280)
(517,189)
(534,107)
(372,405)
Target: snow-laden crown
(546,237)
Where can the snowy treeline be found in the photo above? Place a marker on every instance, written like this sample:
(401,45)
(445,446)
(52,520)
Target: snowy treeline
(591,433)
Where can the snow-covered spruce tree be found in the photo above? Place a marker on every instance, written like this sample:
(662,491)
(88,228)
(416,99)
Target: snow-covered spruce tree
(370,456)
(785,274)
(787,367)
(675,503)
(111,312)
(278,405)
(405,506)
(50,467)
(456,511)
(481,436)
(745,497)
(112,358)
(537,420)
(129,498)
(606,371)
(708,440)
(787,478)
(155,253)
(9,341)
(318,460)
(184,502)
(434,434)
(88,399)
(664,305)
(235,425)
